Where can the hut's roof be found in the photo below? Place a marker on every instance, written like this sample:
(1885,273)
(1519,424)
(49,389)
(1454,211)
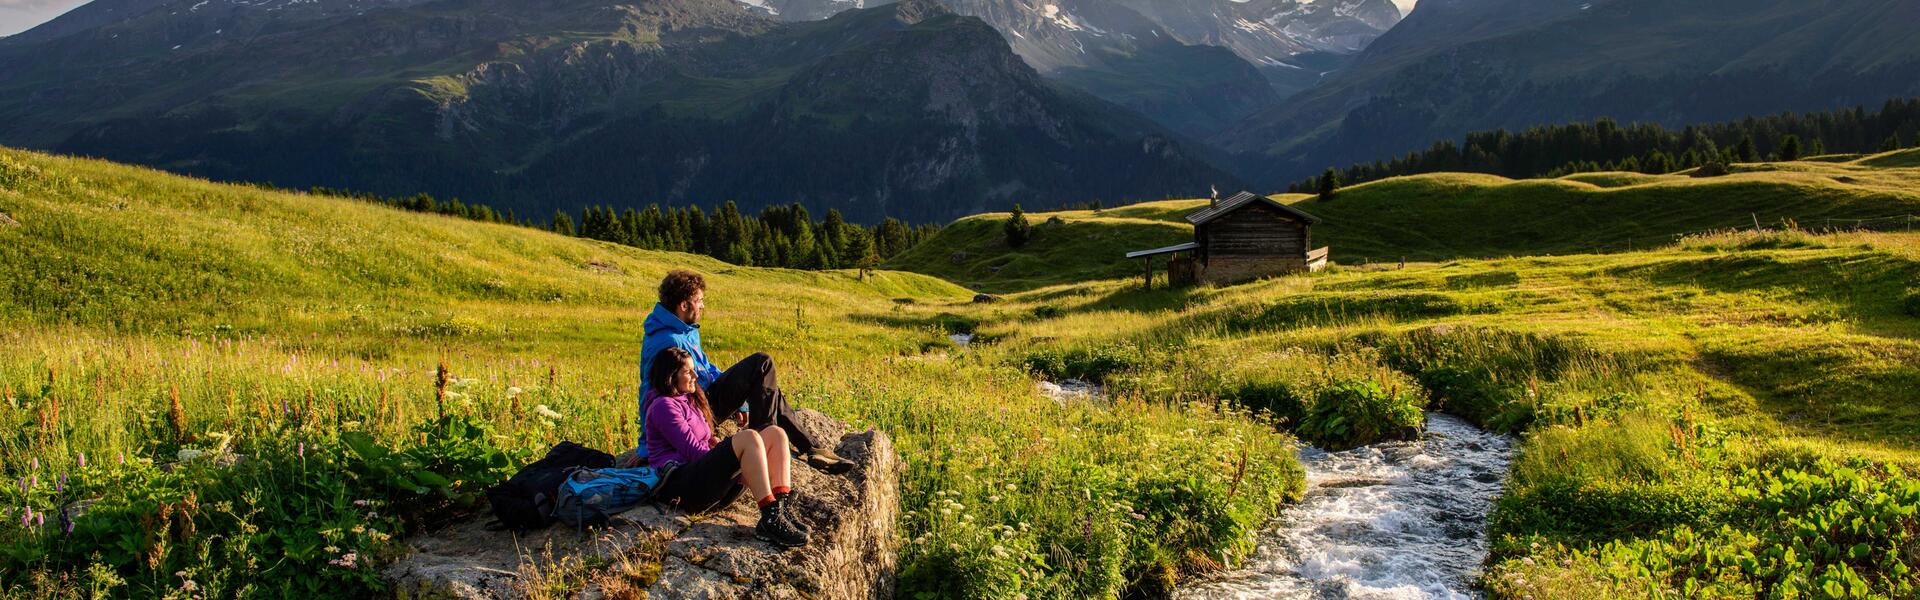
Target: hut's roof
(1242,199)
(1167,250)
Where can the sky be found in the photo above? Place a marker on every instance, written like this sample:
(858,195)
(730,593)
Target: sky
(20,15)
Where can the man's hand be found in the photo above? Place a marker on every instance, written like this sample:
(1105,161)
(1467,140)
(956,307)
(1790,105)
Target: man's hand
(713,440)
(740,418)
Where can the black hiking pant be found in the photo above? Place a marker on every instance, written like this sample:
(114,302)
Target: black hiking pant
(710,482)
(751,382)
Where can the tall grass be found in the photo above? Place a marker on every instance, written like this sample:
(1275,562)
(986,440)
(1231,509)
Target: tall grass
(253,379)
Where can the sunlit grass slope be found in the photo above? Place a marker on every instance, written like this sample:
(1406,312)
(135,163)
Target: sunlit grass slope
(147,319)
(1731,415)
(1450,215)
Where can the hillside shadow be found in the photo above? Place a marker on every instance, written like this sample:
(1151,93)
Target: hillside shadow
(1134,299)
(947,321)
(1868,284)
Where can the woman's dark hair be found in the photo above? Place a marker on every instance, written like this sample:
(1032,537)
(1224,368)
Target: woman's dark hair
(660,378)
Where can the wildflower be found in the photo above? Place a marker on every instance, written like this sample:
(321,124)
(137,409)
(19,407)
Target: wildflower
(123,458)
(36,463)
(187,454)
(83,460)
(332,549)
(946,511)
(1011,487)
(546,412)
(513,391)
(189,586)
(40,519)
(302,451)
(1138,516)
(993,498)
(348,560)
(360,502)
(61,486)
(999,551)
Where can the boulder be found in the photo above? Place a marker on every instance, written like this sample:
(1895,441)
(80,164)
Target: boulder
(665,553)
(985,298)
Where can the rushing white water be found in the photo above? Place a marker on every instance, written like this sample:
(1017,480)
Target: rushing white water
(1396,520)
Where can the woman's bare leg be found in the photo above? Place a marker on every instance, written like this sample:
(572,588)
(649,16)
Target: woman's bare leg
(752,453)
(779,457)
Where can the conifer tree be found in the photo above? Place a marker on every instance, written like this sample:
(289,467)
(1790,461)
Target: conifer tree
(1745,150)
(1018,231)
(1329,185)
(1789,147)
(562,223)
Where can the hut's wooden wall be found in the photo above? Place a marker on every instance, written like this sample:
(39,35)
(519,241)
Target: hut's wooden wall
(1254,230)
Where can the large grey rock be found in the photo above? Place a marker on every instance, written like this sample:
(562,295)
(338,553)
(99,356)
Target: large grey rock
(670,554)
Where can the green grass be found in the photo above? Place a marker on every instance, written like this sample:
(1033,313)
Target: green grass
(1669,399)
(1449,215)
(1081,245)
(1689,409)
(147,317)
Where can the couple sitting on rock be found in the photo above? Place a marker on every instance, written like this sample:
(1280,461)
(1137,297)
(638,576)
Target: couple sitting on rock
(681,392)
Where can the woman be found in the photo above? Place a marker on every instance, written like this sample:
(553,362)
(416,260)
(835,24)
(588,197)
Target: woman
(706,472)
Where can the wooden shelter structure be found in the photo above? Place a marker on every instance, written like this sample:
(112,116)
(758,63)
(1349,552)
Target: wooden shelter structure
(1244,237)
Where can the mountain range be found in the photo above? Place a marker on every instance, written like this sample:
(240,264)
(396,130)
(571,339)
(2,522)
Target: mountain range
(905,110)
(1454,66)
(1197,66)
(922,110)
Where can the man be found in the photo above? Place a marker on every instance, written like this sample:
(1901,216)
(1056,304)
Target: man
(749,390)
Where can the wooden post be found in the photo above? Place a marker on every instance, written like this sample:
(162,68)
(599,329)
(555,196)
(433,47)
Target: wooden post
(1149,259)
(1756,220)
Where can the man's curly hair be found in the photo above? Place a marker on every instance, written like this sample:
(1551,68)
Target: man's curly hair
(679,286)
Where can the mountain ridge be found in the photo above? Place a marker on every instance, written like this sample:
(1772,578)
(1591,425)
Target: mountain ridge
(483,99)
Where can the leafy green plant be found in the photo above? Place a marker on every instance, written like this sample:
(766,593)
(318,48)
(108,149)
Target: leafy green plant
(1360,412)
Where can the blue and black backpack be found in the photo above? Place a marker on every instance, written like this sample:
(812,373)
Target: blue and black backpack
(591,497)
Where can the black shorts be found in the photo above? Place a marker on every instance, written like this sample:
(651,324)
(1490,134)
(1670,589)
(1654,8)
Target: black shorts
(710,482)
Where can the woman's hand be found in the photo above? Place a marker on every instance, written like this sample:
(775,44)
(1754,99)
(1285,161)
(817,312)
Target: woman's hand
(713,440)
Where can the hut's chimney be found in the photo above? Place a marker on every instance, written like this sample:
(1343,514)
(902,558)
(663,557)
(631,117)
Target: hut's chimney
(1214,200)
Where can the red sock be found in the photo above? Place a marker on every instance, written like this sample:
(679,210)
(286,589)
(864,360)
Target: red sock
(781,490)
(767,501)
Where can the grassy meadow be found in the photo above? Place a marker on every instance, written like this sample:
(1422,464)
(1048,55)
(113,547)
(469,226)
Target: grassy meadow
(219,391)
(1722,414)
(1726,414)
(1447,215)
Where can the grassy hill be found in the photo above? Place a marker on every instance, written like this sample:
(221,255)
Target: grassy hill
(1448,216)
(1688,412)
(148,317)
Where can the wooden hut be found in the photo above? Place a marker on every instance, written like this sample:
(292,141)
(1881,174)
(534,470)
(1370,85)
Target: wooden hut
(1244,237)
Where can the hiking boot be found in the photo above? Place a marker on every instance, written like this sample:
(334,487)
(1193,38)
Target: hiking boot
(784,507)
(827,462)
(774,529)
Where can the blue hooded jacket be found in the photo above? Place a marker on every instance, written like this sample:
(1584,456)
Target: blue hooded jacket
(663,331)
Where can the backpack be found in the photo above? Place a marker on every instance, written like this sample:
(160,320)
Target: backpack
(590,497)
(527,499)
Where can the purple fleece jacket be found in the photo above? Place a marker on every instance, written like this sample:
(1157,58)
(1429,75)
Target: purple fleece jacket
(675,431)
